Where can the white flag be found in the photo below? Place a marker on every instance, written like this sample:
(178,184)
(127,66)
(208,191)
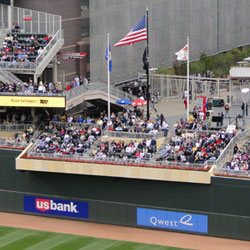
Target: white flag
(182,55)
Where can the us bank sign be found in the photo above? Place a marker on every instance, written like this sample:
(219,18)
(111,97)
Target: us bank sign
(172,220)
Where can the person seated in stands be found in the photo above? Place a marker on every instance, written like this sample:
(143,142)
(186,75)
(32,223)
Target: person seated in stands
(40,51)
(70,118)
(31,87)
(55,118)
(68,87)
(41,88)
(80,119)
(46,40)
(15,28)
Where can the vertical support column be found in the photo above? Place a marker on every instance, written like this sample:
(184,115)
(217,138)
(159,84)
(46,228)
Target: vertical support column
(53,24)
(46,23)
(1,6)
(218,87)
(31,22)
(38,22)
(35,79)
(55,66)
(230,92)
(33,113)
(10,14)
(168,85)
(193,84)
(162,85)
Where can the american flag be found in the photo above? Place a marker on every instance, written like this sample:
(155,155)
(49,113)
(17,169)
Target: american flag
(137,33)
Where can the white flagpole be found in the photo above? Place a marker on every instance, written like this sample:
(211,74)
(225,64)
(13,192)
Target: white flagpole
(188,79)
(108,77)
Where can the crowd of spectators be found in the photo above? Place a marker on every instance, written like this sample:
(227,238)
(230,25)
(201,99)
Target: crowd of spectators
(31,87)
(196,147)
(132,122)
(240,160)
(67,139)
(140,150)
(196,121)
(19,140)
(18,47)
(127,121)
(76,82)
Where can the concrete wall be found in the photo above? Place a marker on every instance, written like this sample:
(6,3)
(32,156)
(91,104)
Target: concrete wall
(211,25)
(71,24)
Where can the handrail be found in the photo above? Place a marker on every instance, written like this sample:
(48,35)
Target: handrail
(16,127)
(98,86)
(31,94)
(48,47)
(79,124)
(228,151)
(148,163)
(133,135)
(24,66)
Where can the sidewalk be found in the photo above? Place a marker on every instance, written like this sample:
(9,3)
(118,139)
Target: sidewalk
(174,110)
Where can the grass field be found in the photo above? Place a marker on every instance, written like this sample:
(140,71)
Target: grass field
(17,239)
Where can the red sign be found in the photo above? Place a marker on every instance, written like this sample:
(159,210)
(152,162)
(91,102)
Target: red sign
(27,18)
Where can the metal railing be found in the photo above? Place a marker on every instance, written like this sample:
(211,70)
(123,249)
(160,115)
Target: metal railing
(172,87)
(85,157)
(134,135)
(16,127)
(12,144)
(70,124)
(40,22)
(32,66)
(101,87)
(27,93)
(239,138)
(8,77)
(18,66)
(58,36)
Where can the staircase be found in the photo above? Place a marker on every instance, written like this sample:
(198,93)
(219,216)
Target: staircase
(93,91)
(40,23)
(8,77)
(49,52)
(162,146)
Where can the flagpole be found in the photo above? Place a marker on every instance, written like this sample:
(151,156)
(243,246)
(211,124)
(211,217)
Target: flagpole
(188,78)
(108,72)
(147,71)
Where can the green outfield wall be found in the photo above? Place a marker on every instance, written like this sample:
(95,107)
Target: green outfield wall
(224,204)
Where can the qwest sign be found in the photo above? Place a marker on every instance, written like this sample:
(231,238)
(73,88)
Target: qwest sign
(172,220)
(56,207)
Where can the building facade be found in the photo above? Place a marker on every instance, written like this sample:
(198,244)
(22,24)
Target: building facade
(212,26)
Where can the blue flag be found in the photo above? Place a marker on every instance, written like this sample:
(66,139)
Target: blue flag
(108,57)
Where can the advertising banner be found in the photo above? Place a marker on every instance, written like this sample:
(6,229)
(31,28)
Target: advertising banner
(67,208)
(172,220)
(33,101)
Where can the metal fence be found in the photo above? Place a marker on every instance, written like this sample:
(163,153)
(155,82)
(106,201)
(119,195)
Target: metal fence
(98,86)
(4,24)
(30,94)
(74,124)
(16,127)
(132,135)
(12,144)
(86,157)
(31,21)
(172,87)
(227,154)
